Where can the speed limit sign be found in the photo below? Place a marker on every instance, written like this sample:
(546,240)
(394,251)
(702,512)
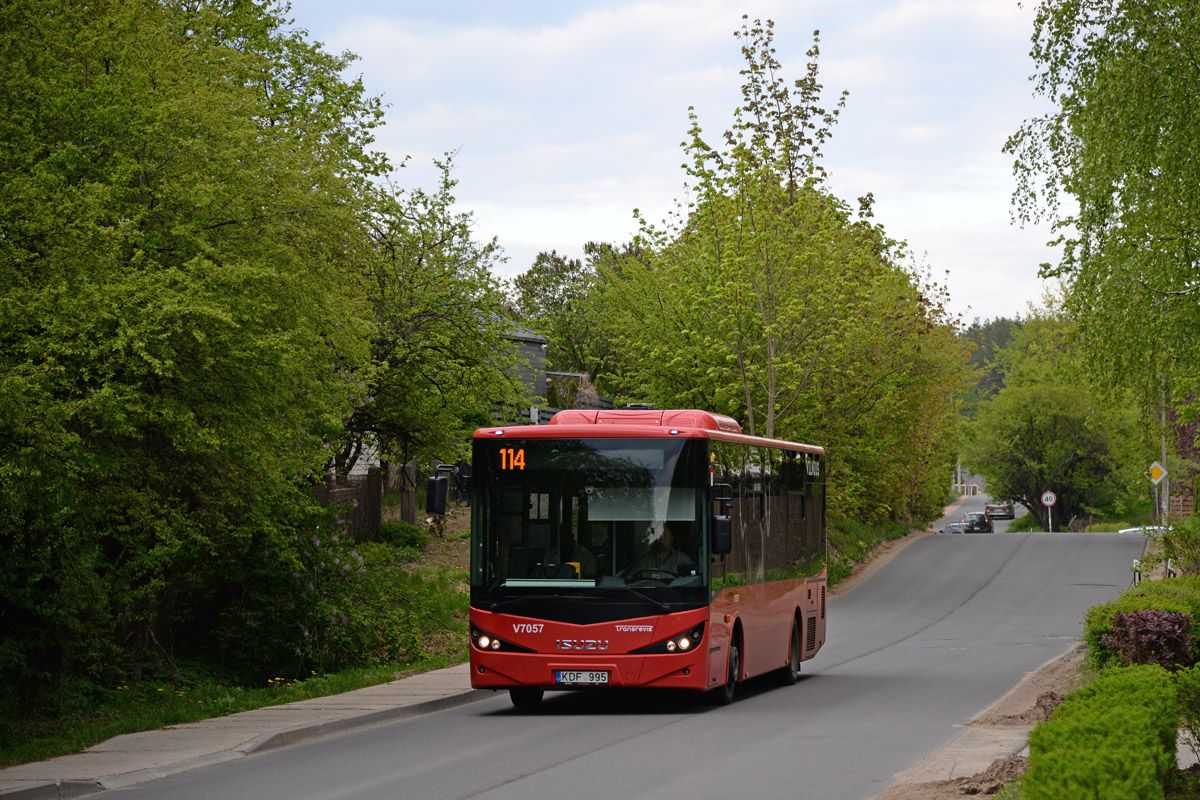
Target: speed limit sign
(1048,499)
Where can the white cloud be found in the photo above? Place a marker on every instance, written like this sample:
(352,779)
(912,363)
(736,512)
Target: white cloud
(567,120)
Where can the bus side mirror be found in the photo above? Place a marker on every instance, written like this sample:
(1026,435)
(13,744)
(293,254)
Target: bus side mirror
(720,528)
(722,535)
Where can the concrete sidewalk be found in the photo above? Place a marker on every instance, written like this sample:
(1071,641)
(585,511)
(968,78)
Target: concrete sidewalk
(134,757)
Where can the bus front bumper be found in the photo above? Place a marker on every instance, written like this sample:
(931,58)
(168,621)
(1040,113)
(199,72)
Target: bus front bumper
(563,671)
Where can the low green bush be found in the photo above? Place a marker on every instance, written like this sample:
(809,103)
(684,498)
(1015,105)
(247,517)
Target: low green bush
(402,534)
(851,542)
(1111,740)
(1026,523)
(1187,687)
(1152,636)
(1172,595)
(1179,543)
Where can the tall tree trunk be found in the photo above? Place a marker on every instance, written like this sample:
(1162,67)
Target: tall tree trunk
(408,493)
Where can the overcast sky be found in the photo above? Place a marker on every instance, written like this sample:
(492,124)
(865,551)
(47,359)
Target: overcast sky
(567,115)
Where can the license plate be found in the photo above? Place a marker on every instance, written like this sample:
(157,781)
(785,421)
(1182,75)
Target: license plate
(581,677)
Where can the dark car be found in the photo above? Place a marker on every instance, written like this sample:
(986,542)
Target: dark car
(977,522)
(999,510)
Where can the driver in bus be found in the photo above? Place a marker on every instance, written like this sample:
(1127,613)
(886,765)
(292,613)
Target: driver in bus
(572,552)
(663,556)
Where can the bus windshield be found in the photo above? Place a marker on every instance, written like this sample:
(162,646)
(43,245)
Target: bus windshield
(605,517)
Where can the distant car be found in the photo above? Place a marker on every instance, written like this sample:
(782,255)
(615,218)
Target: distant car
(977,522)
(999,510)
(955,527)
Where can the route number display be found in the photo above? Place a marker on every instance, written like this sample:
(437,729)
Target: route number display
(512,458)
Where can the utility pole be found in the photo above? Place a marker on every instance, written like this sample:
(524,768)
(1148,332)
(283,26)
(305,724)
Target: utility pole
(1165,511)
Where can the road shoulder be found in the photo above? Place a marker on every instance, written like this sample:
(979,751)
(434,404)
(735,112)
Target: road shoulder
(990,750)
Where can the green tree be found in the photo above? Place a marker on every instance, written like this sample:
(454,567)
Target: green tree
(1045,430)
(441,359)
(181,199)
(557,297)
(1121,144)
(987,339)
(767,299)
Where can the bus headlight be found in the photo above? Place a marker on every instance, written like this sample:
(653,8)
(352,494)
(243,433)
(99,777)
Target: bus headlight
(688,640)
(486,641)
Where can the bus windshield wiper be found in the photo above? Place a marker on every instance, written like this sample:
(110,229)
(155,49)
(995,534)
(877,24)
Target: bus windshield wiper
(575,598)
(645,596)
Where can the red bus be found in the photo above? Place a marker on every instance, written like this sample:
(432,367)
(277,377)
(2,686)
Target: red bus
(643,548)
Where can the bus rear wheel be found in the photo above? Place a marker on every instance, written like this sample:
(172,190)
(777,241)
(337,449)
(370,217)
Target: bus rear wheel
(791,673)
(525,696)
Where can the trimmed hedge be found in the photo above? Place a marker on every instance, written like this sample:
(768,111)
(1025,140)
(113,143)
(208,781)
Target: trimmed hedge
(1111,740)
(1180,595)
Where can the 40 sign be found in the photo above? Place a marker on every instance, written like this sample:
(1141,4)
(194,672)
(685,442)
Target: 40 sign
(1049,499)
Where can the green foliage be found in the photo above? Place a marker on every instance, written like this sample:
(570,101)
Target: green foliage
(766,299)
(1180,544)
(356,607)
(1114,738)
(75,715)
(987,338)
(558,298)
(1171,594)
(403,534)
(1187,686)
(202,281)
(1046,430)
(1121,144)
(440,353)
(180,327)
(852,541)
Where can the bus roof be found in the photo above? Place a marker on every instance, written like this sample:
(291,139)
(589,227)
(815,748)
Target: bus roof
(639,423)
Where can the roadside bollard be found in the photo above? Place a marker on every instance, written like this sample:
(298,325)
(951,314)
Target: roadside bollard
(1137,571)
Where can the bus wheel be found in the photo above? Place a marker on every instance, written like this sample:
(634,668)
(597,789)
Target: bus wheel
(789,674)
(725,693)
(525,696)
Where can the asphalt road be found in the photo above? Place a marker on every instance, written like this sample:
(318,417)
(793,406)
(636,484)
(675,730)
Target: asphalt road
(977,503)
(936,636)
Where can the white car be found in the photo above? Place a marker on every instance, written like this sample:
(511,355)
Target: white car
(1148,530)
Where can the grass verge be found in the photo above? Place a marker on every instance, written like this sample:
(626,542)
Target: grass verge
(850,542)
(85,715)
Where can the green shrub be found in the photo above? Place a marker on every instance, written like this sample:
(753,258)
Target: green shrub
(1151,636)
(1172,594)
(1180,543)
(1026,523)
(1111,740)
(1187,688)
(403,534)
(851,542)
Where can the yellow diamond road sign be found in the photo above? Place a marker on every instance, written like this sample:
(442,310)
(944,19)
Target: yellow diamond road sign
(1157,473)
